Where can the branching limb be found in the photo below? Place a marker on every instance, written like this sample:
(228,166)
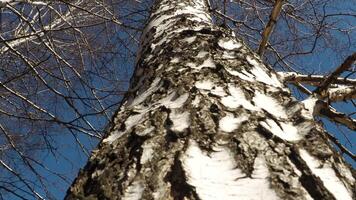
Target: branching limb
(338,117)
(314,80)
(341,93)
(17,41)
(323,109)
(322,89)
(332,87)
(236,22)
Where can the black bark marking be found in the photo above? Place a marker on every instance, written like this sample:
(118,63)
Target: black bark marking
(312,184)
(214,108)
(264,132)
(171,137)
(166,84)
(267,133)
(193,90)
(134,143)
(179,185)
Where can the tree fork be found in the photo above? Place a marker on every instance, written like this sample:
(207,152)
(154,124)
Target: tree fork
(205,119)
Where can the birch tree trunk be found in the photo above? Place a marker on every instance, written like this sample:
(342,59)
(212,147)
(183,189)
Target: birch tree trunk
(205,119)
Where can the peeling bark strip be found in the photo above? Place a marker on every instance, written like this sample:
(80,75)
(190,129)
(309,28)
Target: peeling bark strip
(204,119)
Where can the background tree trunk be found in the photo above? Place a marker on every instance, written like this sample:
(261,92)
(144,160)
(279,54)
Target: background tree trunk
(205,119)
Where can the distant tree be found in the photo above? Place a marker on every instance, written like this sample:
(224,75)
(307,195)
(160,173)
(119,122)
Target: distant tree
(204,118)
(64,66)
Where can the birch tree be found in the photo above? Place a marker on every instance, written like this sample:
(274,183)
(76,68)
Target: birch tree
(205,118)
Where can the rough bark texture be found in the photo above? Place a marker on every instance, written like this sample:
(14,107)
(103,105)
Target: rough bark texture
(205,119)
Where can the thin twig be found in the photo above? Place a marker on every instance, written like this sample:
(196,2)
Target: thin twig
(341,147)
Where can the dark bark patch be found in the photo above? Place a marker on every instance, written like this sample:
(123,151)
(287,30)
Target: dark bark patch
(193,90)
(166,84)
(312,184)
(171,137)
(266,133)
(122,127)
(179,185)
(244,159)
(206,31)
(214,108)
(135,143)
(168,122)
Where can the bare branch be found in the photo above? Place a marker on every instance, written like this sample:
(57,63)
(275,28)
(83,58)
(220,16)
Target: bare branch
(314,80)
(341,93)
(269,27)
(335,116)
(236,22)
(343,89)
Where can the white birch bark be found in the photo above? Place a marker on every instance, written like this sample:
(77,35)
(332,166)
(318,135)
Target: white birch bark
(205,119)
